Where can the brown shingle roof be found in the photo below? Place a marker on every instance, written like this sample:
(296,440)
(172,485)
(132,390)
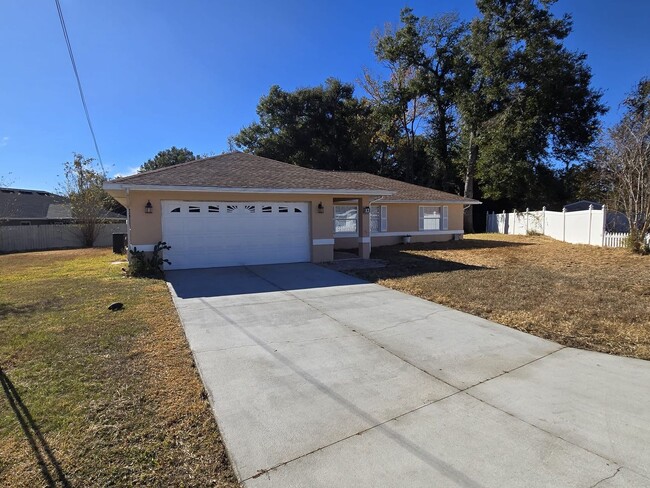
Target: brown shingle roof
(247,171)
(405,191)
(243,170)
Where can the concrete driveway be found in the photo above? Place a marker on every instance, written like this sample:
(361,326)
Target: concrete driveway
(319,379)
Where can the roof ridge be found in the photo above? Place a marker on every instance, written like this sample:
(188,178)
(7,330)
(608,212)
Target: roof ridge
(27,189)
(159,170)
(187,163)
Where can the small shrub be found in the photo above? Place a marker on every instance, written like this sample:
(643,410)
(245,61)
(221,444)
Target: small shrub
(637,243)
(141,266)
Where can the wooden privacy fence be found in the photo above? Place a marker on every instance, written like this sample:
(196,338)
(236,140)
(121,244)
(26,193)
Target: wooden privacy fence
(14,238)
(581,227)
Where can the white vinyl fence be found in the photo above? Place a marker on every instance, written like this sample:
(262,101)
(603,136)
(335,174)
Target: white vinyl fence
(581,227)
(15,238)
(615,239)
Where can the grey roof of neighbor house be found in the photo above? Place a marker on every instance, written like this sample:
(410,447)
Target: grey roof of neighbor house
(23,204)
(582,205)
(245,171)
(18,203)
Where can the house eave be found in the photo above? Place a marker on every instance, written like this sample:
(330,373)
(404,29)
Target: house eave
(214,189)
(428,202)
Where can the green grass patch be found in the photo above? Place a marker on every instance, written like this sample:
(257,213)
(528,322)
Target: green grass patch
(92,397)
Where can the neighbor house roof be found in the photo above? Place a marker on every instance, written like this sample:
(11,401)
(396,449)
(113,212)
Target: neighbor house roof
(247,172)
(582,205)
(18,203)
(22,204)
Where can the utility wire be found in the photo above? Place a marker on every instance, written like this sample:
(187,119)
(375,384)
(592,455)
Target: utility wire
(76,74)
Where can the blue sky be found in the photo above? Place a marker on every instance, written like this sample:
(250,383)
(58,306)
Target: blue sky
(189,73)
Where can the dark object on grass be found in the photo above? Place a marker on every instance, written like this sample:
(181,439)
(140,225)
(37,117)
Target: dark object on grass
(116,306)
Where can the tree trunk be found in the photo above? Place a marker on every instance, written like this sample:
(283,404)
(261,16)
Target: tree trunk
(443,149)
(469,181)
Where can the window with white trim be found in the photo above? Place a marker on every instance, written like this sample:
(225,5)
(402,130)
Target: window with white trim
(434,218)
(378,218)
(346,220)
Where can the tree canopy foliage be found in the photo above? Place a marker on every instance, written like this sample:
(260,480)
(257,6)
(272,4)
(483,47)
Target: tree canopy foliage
(495,108)
(83,185)
(624,160)
(168,157)
(324,127)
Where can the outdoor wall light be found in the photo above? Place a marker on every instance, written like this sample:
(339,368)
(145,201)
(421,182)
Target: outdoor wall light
(148,208)
(320,207)
(366,210)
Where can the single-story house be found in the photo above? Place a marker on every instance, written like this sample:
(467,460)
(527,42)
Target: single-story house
(241,209)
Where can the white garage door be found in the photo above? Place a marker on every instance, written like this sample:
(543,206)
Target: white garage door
(211,234)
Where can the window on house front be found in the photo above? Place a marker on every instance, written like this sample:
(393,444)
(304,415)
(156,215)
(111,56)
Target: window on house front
(346,219)
(433,218)
(378,218)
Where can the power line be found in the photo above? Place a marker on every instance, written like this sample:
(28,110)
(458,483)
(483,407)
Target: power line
(76,74)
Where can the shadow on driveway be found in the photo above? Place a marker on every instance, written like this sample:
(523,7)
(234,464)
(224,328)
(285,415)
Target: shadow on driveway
(246,280)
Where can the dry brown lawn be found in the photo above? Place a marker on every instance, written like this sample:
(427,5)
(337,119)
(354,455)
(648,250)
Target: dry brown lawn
(91,397)
(579,296)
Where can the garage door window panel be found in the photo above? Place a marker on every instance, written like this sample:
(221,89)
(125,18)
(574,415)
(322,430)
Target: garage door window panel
(232,234)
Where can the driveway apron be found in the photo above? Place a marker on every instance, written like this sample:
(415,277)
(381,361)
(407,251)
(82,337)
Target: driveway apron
(317,378)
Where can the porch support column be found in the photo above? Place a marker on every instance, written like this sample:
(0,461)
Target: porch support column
(364,228)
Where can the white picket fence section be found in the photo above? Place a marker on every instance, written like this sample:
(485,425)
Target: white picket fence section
(14,238)
(615,239)
(582,227)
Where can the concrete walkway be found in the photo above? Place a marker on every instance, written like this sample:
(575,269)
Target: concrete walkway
(318,379)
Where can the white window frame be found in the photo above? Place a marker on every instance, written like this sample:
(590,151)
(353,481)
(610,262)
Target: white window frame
(443,220)
(381,216)
(356,221)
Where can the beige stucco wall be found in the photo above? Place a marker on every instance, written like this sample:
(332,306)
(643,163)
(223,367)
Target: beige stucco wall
(378,240)
(146,229)
(404,217)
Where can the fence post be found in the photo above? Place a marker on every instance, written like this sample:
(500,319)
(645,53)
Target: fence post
(527,210)
(505,222)
(591,212)
(544,220)
(563,224)
(604,229)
